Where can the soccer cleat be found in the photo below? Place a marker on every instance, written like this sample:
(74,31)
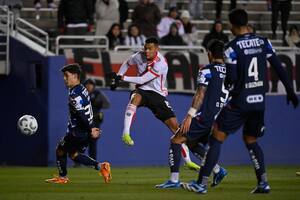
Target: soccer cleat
(127,139)
(297,173)
(193,186)
(192,166)
(218,177)
(261,188)
(58,180)
(169,184)
(105,172)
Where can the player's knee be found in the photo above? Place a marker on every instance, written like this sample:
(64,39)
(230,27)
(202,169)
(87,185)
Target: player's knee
(219,135)
(172,124)
(178,140)
(60,151)
(73,155)
(136,99)
(249,139)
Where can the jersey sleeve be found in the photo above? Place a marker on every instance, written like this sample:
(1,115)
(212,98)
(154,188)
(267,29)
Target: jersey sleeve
(270,49)
(276,64)
(128,63)
(231,66)
(83,108)
(204,77)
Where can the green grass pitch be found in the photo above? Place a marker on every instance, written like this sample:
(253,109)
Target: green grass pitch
(22,183)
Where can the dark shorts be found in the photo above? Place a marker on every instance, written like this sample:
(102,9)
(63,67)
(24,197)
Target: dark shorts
(198,132)
(157,103)
(231,119)
(72,144)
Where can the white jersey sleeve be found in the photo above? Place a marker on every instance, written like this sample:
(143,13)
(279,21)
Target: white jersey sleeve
(132,61)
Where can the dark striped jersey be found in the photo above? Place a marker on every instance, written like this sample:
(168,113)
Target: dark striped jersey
(212,76)
(80,112)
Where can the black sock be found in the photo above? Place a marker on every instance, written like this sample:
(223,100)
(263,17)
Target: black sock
(61,163)
(86,160)
(257,158)
(174,157)
(211,160)
(199,150)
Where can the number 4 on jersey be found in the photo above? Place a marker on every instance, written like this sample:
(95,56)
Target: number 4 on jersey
(252,70)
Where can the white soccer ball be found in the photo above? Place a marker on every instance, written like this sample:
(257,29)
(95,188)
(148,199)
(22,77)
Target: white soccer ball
(27,125)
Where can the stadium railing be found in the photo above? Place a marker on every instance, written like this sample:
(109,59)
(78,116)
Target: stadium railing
(6,25)
(92,39)
(29,30)
(162,47)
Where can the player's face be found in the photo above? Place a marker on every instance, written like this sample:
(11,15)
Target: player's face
(150,50)
(70,79)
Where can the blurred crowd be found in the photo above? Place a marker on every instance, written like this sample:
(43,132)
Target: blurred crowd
(108,17)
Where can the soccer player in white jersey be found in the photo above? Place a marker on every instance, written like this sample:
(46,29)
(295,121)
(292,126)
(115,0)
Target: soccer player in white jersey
(150,91)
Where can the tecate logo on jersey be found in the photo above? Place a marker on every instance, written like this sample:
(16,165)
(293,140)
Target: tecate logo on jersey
(255,98)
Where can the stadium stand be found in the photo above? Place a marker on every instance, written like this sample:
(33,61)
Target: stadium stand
(259,16)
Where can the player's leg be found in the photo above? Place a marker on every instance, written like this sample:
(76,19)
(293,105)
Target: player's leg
(174,162)
(76,155)
(211,159)
(173,125)
(254,128)
(134,102)
(61,163)
(93,148)
(199,149)
(228,121)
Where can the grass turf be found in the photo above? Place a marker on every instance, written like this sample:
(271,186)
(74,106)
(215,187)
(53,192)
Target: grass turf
(22,183)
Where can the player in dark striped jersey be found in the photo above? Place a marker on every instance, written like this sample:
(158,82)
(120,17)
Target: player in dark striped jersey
(246,64)
(209,98)
(80,129)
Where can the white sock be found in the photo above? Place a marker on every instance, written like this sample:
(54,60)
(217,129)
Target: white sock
(129,113)
(185,153)
(216,169)
(174,177)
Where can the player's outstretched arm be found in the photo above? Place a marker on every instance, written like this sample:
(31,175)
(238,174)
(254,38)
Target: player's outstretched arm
(148,76)
(291,96)
(196,104)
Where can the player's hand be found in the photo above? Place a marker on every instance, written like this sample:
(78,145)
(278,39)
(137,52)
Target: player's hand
(186,123)
(115,80)
(95,133)
(292,97)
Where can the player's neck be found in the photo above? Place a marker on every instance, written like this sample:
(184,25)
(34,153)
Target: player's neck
(242,30)
(74,85)
(217,61)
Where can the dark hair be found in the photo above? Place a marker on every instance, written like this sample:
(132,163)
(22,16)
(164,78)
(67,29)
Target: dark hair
(216,47)
(293,27)
(130,27)
(89,81)
(238,17)
(213,28)
(73,69)
(172,9)
(152,40)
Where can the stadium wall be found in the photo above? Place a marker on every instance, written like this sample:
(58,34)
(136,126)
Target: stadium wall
(280,143)
(30,88)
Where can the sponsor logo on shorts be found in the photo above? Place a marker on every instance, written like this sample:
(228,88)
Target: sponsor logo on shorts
(255,98)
